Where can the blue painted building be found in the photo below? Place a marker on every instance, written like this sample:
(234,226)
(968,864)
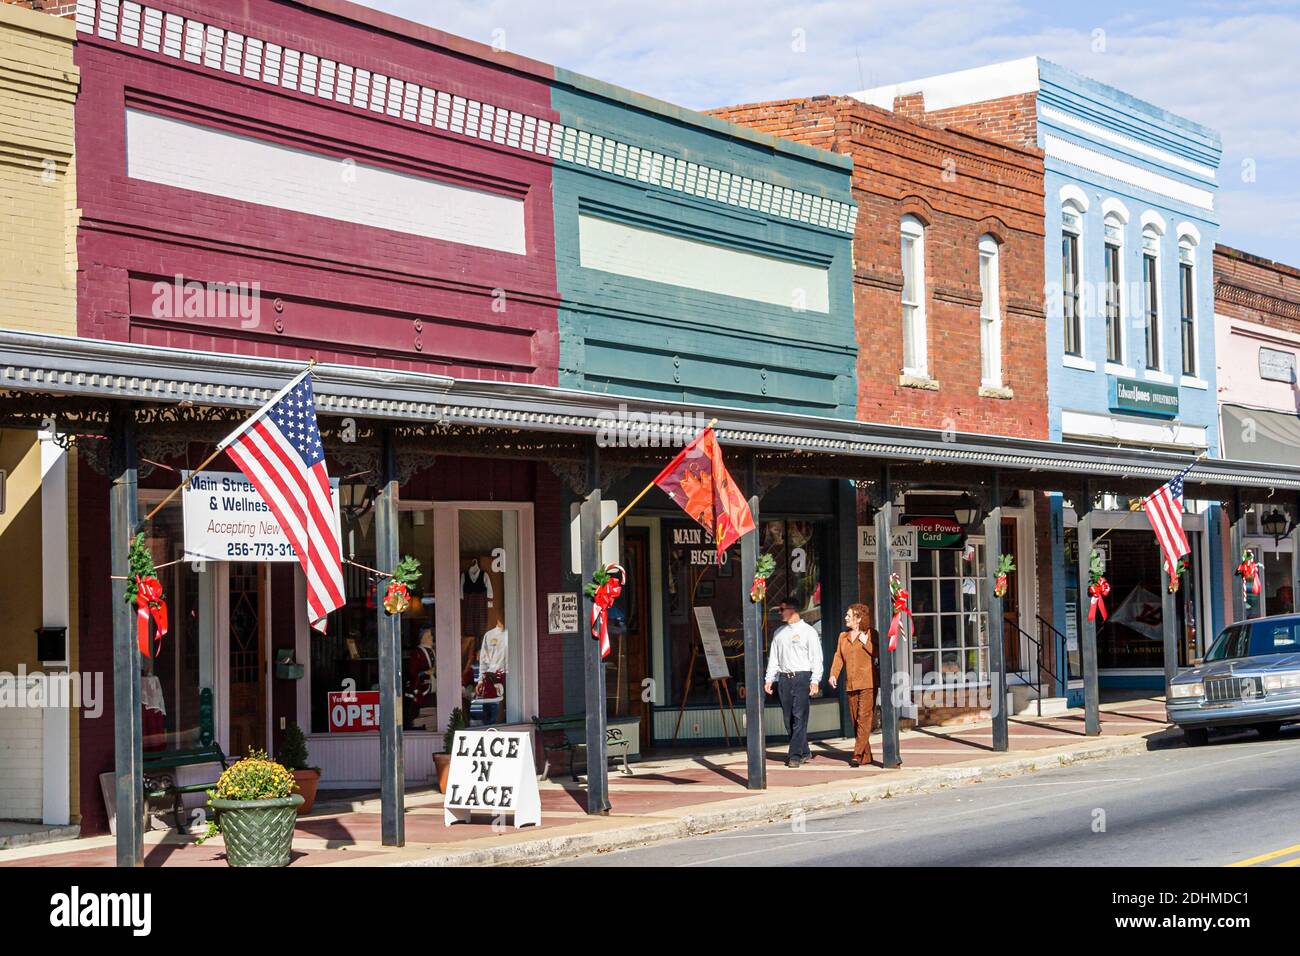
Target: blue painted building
(703,266)
(1131,223)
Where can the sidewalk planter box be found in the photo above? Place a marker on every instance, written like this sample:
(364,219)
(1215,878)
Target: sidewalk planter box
(258,832)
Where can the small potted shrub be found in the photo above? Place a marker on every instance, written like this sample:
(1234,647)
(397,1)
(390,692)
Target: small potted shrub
(442,761)
(254,809)
(293,755)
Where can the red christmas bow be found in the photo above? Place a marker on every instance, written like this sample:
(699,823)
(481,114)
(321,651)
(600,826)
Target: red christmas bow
(1249,571)
(900,596)
(1098,594)
(149,603)
(397,598)
(601,602)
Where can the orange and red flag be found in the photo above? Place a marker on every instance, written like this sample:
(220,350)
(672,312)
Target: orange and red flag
(698,482)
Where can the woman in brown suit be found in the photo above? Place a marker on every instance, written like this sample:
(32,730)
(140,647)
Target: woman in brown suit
(855,655)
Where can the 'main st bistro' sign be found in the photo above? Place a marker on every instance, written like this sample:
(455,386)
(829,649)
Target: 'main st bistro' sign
(1147,398)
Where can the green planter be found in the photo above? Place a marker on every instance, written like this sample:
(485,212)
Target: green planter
(257,832)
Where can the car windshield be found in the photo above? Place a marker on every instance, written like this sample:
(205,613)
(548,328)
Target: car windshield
(1255,638)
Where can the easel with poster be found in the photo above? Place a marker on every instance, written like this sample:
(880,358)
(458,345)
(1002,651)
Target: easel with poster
(719,674)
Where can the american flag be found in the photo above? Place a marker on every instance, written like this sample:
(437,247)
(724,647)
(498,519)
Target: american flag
(1164,509)
(279,450)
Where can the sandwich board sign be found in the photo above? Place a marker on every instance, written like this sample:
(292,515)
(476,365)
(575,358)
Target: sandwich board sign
(492,772)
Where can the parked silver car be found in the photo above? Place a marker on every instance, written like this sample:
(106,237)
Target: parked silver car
(1250,678)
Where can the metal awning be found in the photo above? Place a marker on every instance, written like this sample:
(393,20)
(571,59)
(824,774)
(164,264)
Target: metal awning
(100,369)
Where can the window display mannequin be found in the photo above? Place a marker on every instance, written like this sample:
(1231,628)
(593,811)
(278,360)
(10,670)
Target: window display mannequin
(475,598)
(494,655)
(421,679)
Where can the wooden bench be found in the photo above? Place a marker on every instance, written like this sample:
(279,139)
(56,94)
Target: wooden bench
(160,766)
(565,725)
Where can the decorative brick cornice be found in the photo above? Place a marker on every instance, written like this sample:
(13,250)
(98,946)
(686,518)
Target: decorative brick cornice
(207,47)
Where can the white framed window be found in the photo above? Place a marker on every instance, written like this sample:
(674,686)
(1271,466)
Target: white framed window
(915,360)
(1187,302)
(990,313)
(1071,279)
(1151,296)
(1113,258)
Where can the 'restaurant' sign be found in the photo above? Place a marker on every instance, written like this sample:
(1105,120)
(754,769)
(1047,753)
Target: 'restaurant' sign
(492,772)
(227,520)
(902,543)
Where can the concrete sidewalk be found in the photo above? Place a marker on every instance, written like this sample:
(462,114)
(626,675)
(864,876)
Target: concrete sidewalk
(668,797)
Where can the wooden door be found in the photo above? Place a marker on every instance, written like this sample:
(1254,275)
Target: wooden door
(632,664)
(247,657)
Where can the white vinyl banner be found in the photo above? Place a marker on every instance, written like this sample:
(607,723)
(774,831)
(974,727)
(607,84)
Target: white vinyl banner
(227,520)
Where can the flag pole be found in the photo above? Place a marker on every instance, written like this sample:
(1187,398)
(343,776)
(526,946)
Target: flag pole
(642,493)
(219,449)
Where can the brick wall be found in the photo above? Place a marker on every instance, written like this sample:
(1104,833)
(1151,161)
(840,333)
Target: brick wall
(1255,289)
(962,187)
(56,8)
(356,290)
(38,86)
(1007,119)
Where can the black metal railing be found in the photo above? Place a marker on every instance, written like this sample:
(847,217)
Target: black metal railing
(1056,677)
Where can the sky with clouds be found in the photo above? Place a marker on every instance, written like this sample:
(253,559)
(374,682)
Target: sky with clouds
(1233,66)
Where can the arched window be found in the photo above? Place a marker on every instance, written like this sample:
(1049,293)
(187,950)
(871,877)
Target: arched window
(913,252)
(1187,301)
(1114,264)
(1071,279)
(1151,295)
(990,313)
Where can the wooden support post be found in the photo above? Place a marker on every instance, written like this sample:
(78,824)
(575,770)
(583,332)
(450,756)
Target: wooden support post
(889,756)
(1087,628)
(392,771)
(993,616)
(128,758)
(755,741)
(1168,623)
(597,764)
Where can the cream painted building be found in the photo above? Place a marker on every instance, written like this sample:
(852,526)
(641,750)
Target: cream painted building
(38,270)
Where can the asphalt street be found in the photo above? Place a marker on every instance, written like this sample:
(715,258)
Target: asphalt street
(1232,802)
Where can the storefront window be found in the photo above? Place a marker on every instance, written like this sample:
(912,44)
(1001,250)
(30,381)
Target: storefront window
(699,577)
(949,637)
(488,596)
(798,548)
(172,679)
(1133,634)
(1275,595)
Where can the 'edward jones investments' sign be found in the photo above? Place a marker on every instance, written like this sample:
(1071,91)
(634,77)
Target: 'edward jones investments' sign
(1148,398)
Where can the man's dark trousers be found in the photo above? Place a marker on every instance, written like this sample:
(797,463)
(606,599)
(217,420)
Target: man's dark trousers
(793,690)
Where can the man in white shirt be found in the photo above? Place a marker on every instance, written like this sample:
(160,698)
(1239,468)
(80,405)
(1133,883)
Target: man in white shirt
(795,663)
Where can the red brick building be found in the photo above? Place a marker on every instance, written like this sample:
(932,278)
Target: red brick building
(958,189)
(948,306)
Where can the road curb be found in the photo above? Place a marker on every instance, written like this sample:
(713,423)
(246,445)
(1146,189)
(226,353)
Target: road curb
(750,811)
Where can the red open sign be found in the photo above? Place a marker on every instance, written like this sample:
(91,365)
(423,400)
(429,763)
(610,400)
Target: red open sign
(353,712)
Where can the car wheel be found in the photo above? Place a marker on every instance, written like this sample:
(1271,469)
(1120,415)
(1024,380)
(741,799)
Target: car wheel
(1269,731)
(1196,736)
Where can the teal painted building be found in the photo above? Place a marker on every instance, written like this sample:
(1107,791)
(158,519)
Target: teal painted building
(706,266)
(686,246)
